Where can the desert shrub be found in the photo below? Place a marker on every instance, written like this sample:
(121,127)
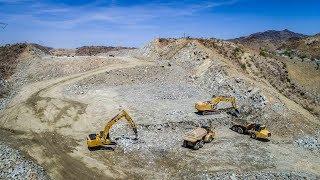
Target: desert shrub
(288,53)
(236,52)
(243,66)
(302,56)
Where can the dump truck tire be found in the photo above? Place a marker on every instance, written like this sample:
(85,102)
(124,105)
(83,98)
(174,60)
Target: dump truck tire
(185,144)
(196,146)
(234,128)
(240,130)
(201,143)
(253,136)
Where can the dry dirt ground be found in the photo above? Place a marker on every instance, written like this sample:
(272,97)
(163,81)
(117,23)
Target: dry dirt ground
(63,99)
(305,73)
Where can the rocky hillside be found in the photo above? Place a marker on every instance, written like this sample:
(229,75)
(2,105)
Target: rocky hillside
(10,56)
(269,40)
(270,70)
(94,50)
(308,47)
(13,55)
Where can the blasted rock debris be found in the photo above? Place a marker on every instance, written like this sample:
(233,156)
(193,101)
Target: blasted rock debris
(13,165)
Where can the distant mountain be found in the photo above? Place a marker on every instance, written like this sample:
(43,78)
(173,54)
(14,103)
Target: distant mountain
(269,40)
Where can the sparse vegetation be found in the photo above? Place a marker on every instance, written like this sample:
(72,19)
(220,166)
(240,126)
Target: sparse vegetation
(288,53)
(243,66)
(237,52)
(263,53)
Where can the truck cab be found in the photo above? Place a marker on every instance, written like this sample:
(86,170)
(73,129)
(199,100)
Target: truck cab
(259,131)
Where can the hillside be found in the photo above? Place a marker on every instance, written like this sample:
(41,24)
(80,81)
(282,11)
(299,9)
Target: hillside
(13,55)
(58,100)
(308,47)
(269,40)
(94,50)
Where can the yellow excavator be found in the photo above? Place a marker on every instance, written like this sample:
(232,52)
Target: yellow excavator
(103,138)
(211,106)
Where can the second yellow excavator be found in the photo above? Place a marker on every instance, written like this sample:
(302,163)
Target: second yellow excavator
(103,138)
(210,106)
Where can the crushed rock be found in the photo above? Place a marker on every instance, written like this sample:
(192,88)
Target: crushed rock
(13,165)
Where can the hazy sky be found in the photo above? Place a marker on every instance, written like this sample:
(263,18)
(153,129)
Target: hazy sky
(74,23)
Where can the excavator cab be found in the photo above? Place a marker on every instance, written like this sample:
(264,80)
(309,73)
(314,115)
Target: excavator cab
(103,137)
(92,137)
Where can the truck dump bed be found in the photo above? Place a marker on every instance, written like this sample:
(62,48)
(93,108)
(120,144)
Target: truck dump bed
(195,135)
(240,122)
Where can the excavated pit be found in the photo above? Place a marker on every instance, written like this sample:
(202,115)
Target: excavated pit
(49,118)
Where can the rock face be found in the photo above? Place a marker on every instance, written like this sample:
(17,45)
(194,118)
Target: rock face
(15,166)
(270,39)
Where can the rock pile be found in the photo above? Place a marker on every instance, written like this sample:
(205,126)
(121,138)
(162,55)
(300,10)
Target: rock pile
(309,142)
(13,165)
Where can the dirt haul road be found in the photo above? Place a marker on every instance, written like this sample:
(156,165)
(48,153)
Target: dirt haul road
(49,121)
(42,122)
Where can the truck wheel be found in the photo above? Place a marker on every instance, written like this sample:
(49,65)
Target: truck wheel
(196,146)
(201,143)
(234,128)
(240,130)
(253,136)
(185,144)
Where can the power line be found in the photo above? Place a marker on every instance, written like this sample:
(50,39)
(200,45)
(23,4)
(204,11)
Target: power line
(3,25)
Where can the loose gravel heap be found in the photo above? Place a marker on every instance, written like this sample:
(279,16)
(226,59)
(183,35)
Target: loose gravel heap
(258,175)
(309,142)
(13,165)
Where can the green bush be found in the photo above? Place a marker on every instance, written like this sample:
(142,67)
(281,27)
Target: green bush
(288,53)
(237,51)
(302,56)
(263,53)
(243,66)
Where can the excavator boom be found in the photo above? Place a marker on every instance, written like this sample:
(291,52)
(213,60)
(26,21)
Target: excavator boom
(218,99)
(115,119)
(211,105)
